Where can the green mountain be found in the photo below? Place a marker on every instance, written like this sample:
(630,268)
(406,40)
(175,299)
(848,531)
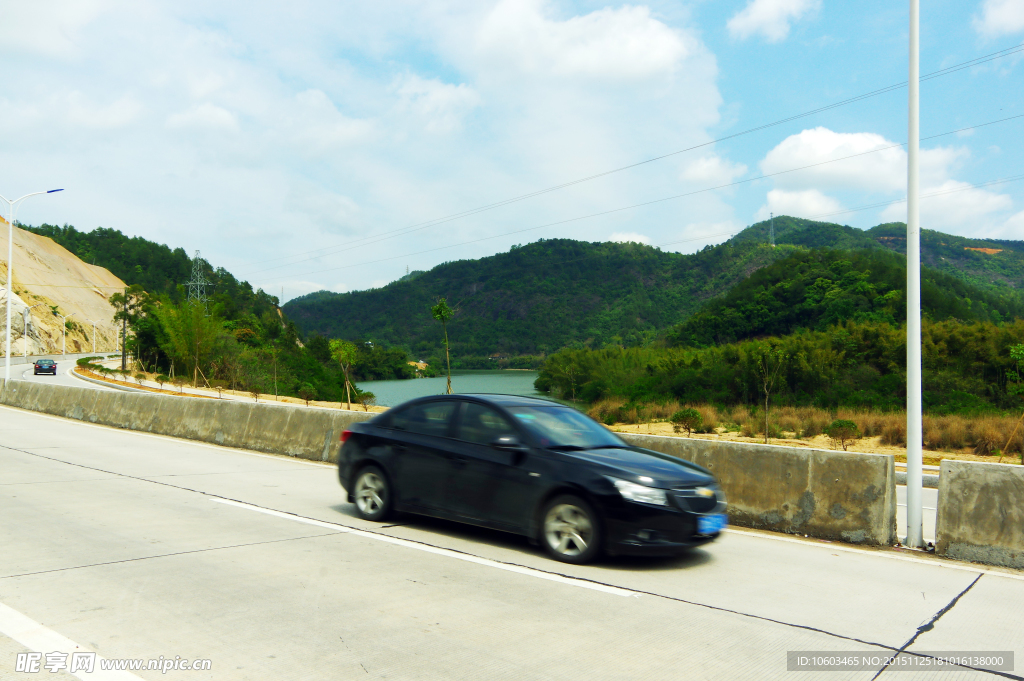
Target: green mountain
(537,298)
(558,293)
(821,288)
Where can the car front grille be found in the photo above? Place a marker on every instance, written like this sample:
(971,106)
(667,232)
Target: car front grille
(688,500)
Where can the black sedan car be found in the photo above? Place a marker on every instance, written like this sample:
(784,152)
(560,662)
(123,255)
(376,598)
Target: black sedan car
(532,467)
(44,366)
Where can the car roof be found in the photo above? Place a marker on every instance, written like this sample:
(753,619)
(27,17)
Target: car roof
(512,400)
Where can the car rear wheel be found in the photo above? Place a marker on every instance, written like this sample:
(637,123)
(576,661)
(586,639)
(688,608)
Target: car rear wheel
(571,531)
(372,494)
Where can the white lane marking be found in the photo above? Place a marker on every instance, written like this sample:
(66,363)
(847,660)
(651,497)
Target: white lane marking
(287,516)
(39,639)
(518,569)
(939,562)
(176,440)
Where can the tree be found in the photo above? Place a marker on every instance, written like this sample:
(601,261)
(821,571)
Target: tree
(842,431)
(344,353)
(190,335)
(442,313)
(179,382)
(690,419)
(132,306)
(161,379)
(307,393)
(367,399)
(768,362)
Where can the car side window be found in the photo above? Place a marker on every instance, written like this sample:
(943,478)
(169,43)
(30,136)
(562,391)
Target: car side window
(429,418)
(483,425)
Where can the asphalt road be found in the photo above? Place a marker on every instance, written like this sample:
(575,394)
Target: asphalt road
(139,546)
(24,373)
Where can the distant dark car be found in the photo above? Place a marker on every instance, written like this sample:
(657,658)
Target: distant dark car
(532,467)
(44,366)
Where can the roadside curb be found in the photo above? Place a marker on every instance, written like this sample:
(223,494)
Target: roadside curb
(106,384)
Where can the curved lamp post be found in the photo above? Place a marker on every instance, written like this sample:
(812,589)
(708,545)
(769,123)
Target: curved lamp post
(24,333)
(64,333)
(11,205)
(93,322)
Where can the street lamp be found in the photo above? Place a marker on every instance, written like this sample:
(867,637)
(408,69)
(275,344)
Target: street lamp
(25,316)
(64,334)
(915,537)
(10,270)
(93,334)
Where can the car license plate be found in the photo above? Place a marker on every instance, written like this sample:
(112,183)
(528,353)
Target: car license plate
(710,524)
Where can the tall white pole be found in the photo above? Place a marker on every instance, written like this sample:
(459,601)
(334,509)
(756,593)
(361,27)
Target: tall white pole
(914,435)
(10,285)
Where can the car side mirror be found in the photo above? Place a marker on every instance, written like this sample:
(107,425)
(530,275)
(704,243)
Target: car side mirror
(509,443)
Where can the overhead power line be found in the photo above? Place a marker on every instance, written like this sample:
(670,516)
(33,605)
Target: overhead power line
(369,240)
(671,198)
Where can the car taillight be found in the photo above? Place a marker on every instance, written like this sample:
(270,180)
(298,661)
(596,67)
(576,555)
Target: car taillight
(345,435)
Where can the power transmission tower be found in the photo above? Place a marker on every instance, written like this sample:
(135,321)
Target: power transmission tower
(771,231)
(197,285)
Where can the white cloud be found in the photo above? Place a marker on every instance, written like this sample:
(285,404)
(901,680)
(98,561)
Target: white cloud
(49,28)
(809,203)
(880,171)
(624,43)
(328,211)
(440,106)
(957,207)
(1013,227)
(630,237)
(317,127)
(1000,17)
(769,18)
(713,171)
(205,116)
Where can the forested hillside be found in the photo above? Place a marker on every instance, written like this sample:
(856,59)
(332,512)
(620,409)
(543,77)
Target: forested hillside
(538,298)
(822,288)
(559,293)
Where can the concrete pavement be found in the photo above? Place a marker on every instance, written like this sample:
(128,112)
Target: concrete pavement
(137,546)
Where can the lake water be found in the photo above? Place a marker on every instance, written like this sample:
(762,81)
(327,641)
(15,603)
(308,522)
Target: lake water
(390,393)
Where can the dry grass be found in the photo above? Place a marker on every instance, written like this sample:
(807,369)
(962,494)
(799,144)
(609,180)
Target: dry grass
(983,435)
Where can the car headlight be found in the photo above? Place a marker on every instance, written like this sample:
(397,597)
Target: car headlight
(639,493)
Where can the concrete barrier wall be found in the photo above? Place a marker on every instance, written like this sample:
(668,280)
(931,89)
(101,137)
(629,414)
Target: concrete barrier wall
(980,514)
(303,432)
(831,495)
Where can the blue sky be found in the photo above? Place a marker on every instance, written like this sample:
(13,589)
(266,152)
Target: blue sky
(295,143)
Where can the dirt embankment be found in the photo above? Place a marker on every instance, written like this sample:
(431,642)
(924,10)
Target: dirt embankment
(52,281)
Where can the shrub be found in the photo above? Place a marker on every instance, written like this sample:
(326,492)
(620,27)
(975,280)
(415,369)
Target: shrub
(161,379)
(688,419)
(709,418)
(367,399)
(139,378)
(895,433)
(307,393)
(842,431)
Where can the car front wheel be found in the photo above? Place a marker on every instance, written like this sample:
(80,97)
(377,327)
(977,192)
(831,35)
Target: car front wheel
(372,494)
(571,531)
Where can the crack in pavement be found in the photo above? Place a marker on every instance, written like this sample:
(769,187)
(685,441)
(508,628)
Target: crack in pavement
(929,625)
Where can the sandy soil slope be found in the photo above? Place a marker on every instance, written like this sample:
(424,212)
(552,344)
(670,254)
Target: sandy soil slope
(53,280)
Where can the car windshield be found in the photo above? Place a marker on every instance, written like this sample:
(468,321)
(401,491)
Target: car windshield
(562,427)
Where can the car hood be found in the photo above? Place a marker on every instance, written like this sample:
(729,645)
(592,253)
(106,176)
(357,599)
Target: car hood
(633,463)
